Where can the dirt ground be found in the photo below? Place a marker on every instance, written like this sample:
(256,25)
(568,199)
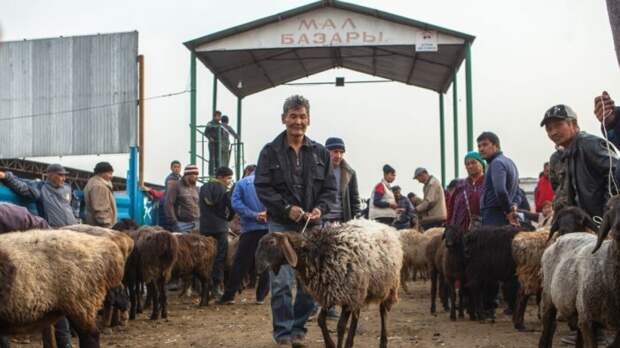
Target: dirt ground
(247,324)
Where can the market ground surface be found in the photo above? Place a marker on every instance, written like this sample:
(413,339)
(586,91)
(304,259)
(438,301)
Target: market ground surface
(249,325)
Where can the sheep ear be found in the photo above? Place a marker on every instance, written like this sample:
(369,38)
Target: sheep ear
(603,231)
(288,251)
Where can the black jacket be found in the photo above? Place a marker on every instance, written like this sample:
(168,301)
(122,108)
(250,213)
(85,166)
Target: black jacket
(350,196)
(274,179)
(583,173)
(215,208)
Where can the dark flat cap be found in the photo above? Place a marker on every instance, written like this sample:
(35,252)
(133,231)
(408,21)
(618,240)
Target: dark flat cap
(56,168)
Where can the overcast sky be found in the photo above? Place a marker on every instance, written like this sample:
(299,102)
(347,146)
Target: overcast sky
(528,56)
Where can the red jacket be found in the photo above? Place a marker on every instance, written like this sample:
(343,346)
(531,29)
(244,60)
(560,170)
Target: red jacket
(543,193)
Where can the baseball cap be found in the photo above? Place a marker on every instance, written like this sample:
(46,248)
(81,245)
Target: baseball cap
(559,112)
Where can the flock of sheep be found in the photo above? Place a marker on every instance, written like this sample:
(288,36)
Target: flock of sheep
(79,270)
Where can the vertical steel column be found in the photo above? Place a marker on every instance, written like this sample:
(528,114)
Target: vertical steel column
(217,160)
(192,109)
(238,164)
(468,91)
(442,141)
(455,121)
(141,120)
(214,95)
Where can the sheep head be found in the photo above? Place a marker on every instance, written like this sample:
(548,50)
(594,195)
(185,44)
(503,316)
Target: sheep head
(611,222)
(274,250)
(453,237)
(571,219)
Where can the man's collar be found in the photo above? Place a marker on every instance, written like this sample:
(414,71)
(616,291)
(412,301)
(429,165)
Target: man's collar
(495,156)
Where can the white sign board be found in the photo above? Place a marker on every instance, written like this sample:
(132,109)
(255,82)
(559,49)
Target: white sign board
(328,27)
(426,41)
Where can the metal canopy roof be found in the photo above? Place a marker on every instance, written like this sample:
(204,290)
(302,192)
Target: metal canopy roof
(268,52)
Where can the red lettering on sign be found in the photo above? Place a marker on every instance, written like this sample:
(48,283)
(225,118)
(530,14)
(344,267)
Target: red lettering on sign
(336,39)
(319,38)
(307,24)
(352,36)
(287,39)
(303,39)
(369,38)
(328,24)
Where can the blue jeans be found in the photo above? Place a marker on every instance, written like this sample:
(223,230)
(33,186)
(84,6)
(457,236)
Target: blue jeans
(289,320)
(493,216)
(186,226)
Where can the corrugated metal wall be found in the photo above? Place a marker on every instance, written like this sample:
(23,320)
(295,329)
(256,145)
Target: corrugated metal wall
(68,96)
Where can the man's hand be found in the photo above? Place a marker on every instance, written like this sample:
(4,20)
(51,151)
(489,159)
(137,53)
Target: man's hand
(604,107)
(295,213)
(393,205)
(261,217)
(512,217)
(2,175)
(314,215)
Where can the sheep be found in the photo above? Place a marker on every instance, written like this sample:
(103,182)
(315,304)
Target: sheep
(580,278)
(453,267)
(195,257)
(350,264)
(35,295)
(434,255)
(527,251)
(414,252)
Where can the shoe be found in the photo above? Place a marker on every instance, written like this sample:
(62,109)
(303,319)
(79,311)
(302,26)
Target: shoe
(298,342)
(217,292)
(260,302)
(601,339)
(570,339)
(283,342)
(226,299)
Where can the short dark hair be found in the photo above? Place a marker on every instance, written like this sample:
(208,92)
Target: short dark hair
(294,102)
(217,112)
(490,136)
(223,171)
(410,194)
(249,169)
(388,169)
(452,184)
(225,119)
(174,162)
(395,188)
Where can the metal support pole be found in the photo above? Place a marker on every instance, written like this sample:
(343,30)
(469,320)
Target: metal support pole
(192,108)
(468,91)
(214,95)
(141,121)
(455,121)
(442,141)
(238,164)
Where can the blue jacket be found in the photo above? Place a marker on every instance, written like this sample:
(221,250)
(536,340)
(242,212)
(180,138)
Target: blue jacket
(246,203)
(501,185)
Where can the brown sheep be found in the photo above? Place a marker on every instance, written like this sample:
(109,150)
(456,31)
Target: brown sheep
(195,257)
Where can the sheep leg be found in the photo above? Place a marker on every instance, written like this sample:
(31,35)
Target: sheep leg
(452,289)
(586,329)
(186,283)
(433,291)
(384,341)
(519,311)
(163,298)
(461,310)
(88,338)
(205,291)
(48,336)
(149,297)
(132,302)
(403,278)
(549,326)
(342,324)
(322,320)
(151,290)
(443,293)
(352,328)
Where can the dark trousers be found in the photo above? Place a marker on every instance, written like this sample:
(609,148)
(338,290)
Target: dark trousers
(431,224)
(220,258)
(214,159)
(244,261)
(385,220)
(5,342)
(63,333)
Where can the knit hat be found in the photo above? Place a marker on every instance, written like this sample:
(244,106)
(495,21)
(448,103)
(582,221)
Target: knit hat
(56,168)
(476,156)
(190,169)
(103,167)
(334,144)
(388,169)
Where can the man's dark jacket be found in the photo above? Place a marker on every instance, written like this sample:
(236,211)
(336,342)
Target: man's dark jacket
(583,171)
(350,196)
(274,179)
(215,208)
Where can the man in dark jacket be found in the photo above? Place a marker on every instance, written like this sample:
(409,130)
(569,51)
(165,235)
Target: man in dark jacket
(295,182)
(182,211)
(347,204)
(213,133)
(215,213)
(500,193)
(174,176)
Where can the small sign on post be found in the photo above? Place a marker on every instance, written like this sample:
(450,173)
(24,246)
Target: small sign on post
(426,41)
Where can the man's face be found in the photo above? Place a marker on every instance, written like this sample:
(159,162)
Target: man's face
(561,132)
(56,179)
(225,180)
(336,157)
(107,176)
(217,117)
(487,149)
(296,121)
(176,168)
(397,195)
(546,169)
(473,167)
(389,177)
(547,210)
(191,179)
(422,178)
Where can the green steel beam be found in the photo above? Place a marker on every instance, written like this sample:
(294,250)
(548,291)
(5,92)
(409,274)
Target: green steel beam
(238,164)
(468,90)
(192,109)
(214,95)
(442,141)
(455,121)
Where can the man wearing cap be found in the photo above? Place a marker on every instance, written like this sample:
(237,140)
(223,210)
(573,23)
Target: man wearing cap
(295,182)
(464,203)
(432,210)
(583,167)
(181,204)
(347,204)
(99,197)
(500,193)
(382,206)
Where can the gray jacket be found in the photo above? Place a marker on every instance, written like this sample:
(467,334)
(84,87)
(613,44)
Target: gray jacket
(54,203)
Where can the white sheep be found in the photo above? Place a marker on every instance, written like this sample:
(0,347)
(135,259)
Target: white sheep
(350,265)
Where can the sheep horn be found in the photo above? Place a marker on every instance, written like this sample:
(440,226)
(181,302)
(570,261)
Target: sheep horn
(603,231)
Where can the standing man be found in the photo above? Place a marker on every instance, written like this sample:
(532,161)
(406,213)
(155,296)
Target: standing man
(227,131)
(382,205)
(432,210)
(347,204)
(406,216)
(175,175)
(544,191)
(253,215)
(295,182)
(464,204)
(215,213)
(182,201)
(213,132)
(99,197)
(500,193)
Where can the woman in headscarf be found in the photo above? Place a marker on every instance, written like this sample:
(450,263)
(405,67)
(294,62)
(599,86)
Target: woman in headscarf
(464,203)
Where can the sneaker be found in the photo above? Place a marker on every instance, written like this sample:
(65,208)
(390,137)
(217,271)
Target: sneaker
(217,292)
(298,342)
(570,339)
(226,299)
(260,302)
(282,342)
(601,338)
